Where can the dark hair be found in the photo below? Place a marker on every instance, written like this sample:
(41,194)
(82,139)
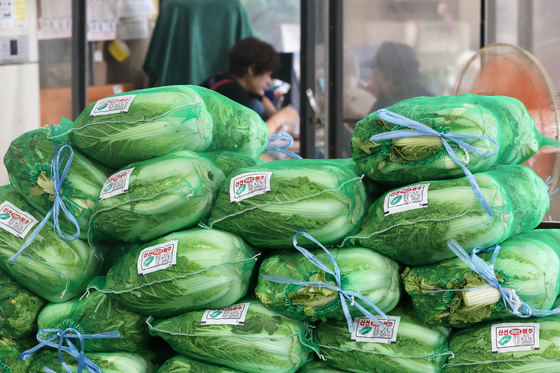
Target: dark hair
(252,52)
(398,59)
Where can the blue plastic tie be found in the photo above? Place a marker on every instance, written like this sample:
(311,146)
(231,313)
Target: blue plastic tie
(511,300)
(282,149)
(422,130)
(344,294)
(57,180)
(64,336)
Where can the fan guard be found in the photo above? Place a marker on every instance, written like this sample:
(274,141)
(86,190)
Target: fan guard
(507,70)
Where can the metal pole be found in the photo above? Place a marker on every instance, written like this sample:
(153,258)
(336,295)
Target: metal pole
(525,25)
(79,57)
(307,79)
(335,72)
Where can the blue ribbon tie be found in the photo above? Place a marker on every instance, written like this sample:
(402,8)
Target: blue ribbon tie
(422,130)
(344,295)
(282,149)
(511,300)
(57,180)
(64,336)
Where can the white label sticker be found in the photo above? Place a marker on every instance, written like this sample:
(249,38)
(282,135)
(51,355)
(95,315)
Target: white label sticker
(407,198)
(116,184)
(366,330)
(158,257)
(515,337)
(232,315)
(249,185)
(15,221)
(112,105)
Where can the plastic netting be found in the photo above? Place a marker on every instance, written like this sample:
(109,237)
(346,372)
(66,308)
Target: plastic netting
(180,272)
(51,267)
(29,163)
(405,161)
(149,199)
(418,348)
(450,210)
(472,349)
(95,314)
(139,125)
(19,309)
(267,204)
(9,351)
(266,342)
(362,270)
(181,364)
(528,263)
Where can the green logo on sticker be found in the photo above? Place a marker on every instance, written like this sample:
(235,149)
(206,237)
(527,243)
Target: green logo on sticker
(108,188)
(240,189)
(396,200)
(365,330)
(216,314)
(103,106)
(505,339)
(4,216)
(148,261)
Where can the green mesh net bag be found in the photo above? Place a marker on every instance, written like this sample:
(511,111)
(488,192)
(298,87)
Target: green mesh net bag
(107,362)
(98,313)
(19,309)
(56,269)
(139,125)
(9,351)
(29,161)
(528,263)
(180,272)
(267,204)
(260,341)
(492,121)
(408,345)
(319,366)
(151,198)
(181,364)
(413,224)
(524,345)
(362,270)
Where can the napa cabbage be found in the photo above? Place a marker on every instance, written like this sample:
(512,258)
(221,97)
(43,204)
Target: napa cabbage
(266,342)
(212,269)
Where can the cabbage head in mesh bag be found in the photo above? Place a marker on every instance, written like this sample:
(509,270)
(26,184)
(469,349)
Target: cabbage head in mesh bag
(267,204)
(319,366)
(151,198)
(28,161)
(108,362)
(418,348)
(143,124)
(98,313)
(362,270)
(51,267)
(9,351)
(181,364)
(266,342)
(472,349)
(529,263)
(19,309)
(410,160)
(180,272)
(236,127)
(418,236)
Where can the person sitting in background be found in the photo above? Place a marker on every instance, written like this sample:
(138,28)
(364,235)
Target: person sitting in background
(251,63)
(395,75)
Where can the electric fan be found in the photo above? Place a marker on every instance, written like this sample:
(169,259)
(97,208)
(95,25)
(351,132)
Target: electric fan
(507,70)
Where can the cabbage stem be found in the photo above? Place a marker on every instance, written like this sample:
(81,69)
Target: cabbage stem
(418,141)
(481,297)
